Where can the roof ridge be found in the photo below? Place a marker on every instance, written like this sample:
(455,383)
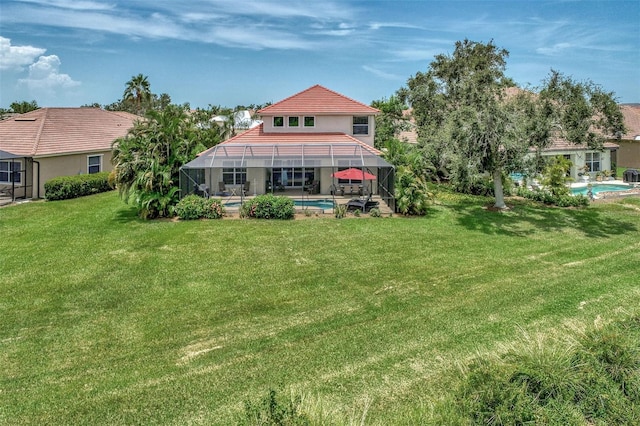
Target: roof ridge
(36,143)
(315,86)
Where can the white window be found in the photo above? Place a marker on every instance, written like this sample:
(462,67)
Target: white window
(10,172)
(593,161)
(360,125)
(234,175)
(294,121)
(309,122)
(278,121)
(94,164)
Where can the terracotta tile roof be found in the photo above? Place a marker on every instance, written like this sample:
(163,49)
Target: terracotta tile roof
(631,113)
(257,136)
(60,131)
(318,100)
(563,145)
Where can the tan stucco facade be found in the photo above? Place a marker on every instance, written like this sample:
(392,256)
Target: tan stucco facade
(628,154)
(66,165)
(323,124)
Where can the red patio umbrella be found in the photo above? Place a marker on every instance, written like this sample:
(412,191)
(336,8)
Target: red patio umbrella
(353,174)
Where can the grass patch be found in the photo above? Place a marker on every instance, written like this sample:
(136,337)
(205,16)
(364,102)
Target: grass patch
(111,319)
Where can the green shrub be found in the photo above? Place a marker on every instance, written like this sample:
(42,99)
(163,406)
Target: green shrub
(546,197)
(195,207)
(268,206)
(340,211)
(375,212)
(66,187)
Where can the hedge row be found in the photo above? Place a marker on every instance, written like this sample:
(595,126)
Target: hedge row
(66,187)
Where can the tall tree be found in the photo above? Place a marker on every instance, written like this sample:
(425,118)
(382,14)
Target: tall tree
(138,93)
(474,121)
(147,161)
(391,120)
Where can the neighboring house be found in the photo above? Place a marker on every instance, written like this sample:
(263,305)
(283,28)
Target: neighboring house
(628,155)
(52,142)
(303,140)
(580,156)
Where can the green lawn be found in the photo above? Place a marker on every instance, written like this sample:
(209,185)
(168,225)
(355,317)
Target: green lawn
(107,319)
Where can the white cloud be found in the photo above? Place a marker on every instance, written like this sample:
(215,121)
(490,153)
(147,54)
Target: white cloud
(17,57)
(44,76)
(382,74)
(72,4)
(554,50)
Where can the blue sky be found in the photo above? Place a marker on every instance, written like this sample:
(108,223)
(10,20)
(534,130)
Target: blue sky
(221,52)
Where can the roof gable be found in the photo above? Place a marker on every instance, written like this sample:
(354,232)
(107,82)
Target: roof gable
(318,100)
(59,131)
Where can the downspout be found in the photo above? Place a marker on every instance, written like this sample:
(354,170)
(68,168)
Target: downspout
(38,186)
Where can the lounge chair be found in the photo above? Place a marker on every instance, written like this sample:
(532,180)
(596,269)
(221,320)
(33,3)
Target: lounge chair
(362,204)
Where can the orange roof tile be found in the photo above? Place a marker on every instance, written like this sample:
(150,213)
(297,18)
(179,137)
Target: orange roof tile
(60,131)
(318,100)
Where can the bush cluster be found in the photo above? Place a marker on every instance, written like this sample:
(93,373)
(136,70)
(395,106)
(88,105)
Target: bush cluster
(547,197)
(595,380)
(66,187)
(268,206)
(194,207)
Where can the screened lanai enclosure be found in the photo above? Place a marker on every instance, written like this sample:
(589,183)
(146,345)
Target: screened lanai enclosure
(296,169)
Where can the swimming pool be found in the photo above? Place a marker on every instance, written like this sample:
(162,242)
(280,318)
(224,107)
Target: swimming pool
(601,187)
(325,204)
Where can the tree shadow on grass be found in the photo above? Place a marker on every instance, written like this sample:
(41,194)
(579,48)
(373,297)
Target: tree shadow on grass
(127,214)
(524,219)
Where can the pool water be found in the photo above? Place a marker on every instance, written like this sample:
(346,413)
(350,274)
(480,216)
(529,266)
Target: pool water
(597,188)
(325,204)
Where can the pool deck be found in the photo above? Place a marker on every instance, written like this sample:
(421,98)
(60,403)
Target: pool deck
(296,194)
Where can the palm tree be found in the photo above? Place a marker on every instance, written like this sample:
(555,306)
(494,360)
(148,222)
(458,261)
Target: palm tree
(137,92)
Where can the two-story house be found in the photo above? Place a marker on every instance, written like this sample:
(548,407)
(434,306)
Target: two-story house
(303,140)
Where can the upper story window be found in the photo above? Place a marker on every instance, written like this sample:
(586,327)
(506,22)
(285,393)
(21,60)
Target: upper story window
(94,164)
(294,121)
(361,125)
(10,171)
(278,121)
(309,122)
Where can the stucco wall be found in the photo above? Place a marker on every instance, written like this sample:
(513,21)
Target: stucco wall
(323,124)
(578,159)
(66,165)
(628,154)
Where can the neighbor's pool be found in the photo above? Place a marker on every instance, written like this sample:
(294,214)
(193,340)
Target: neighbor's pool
(601,187)
(325,204)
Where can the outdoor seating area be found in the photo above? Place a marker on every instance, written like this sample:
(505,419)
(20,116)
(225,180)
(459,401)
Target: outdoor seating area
(362,204)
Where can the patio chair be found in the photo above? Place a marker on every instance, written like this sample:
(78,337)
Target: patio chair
(245,188)
(222,189)
(204,190)
(314,187)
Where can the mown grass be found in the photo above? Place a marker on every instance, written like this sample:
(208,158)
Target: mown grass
(110,319)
